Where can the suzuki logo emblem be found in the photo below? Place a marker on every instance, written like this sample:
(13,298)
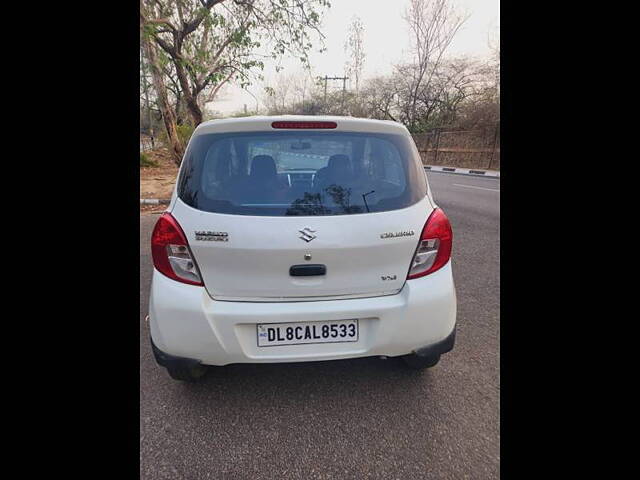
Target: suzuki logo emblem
(307,234)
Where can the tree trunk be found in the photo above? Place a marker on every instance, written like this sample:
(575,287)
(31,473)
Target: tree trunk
(168,115)
(189,99)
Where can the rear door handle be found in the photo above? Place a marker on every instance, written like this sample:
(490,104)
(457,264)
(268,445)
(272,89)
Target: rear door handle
(307,270)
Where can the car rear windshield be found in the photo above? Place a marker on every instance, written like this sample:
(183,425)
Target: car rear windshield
(300,173)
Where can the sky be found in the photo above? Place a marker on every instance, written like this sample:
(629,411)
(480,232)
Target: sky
(386,42)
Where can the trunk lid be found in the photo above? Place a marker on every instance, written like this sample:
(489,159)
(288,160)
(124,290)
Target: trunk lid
(364,255)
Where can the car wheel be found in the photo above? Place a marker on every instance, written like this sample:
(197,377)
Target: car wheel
(419,362)
(191,373)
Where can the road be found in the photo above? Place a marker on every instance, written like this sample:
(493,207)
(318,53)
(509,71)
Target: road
(363,418)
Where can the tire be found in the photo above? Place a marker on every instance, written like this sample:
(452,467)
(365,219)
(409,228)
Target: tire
(190,374)
(418,362)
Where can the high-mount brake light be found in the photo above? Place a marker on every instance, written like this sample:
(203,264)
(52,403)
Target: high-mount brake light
(434,249)
(170,252)
(298,124)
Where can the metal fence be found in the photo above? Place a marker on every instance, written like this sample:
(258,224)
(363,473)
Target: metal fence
(147,142)
(478,148)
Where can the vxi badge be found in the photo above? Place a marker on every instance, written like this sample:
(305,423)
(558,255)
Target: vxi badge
(404,233)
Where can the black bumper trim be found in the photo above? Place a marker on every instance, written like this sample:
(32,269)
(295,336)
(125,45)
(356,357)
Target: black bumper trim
(170,361)
(443,346)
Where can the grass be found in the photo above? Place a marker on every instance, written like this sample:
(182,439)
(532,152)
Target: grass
(145,161)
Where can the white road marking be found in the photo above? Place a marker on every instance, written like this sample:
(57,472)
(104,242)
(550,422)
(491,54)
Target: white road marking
(479,188)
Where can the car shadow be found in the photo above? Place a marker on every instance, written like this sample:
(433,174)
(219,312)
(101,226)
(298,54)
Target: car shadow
(294,384)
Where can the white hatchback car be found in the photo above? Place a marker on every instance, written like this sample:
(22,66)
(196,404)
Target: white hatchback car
(297,238)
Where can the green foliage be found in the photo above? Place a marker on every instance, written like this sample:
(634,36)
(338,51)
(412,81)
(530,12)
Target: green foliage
(145,161)
(184,134)
(203,45)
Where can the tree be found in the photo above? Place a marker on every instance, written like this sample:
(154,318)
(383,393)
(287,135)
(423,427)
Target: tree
(354,46)
(380,98)
(211,46)
(451,85)
(168,115)
(433,25)
(278,98)
(482,107)
(212,42)
(290,94)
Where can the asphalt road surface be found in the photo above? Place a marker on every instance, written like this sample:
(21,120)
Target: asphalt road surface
(363,418)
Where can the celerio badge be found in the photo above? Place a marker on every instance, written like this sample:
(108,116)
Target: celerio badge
(404,233)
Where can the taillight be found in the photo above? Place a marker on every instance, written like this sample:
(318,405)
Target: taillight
(299,124)
(170,252)
(434,249)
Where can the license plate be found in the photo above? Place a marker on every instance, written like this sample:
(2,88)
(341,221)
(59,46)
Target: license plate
(339,331)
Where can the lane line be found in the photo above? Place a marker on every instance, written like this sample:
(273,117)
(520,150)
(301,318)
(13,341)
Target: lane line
(479,188)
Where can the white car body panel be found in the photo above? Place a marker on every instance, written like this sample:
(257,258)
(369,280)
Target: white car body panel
(187,322)
(247,279)
(262,123)
(254,264)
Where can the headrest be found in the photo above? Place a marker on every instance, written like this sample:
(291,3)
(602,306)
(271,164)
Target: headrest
(339,162)
(263,166)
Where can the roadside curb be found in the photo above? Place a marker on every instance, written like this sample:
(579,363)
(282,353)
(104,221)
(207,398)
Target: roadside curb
(155,201)
(463,171)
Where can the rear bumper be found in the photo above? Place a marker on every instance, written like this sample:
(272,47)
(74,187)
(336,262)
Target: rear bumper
(171,361)
(438,348)
(187,323)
